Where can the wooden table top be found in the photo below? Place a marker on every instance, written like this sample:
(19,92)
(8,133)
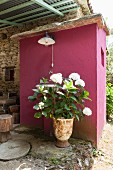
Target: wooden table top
(6,100)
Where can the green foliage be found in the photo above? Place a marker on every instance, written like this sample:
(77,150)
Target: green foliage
(109,86)
(109,68)
(59,100)
(109,59)
(97,153)
(109,99)
(55,161)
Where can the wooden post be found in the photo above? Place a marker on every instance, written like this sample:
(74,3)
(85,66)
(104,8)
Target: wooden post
(5,127)
(16,117)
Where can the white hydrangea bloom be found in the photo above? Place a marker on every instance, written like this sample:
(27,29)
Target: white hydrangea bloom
(57,78)
(41,104)
(87,111)
(74,76)
(80,82)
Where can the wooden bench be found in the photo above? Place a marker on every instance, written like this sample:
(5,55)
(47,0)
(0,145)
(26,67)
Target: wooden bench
(14,110)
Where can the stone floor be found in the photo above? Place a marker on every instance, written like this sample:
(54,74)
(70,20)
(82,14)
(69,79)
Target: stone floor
(44,155)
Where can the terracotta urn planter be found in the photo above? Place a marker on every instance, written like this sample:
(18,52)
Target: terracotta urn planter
(63,130)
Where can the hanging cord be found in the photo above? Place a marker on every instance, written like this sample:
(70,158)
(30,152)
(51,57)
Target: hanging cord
(52,61)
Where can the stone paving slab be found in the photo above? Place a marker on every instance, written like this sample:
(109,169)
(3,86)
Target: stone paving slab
(44,155)
(14,149)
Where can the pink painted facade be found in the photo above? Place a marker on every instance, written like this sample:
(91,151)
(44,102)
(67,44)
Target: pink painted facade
(101,79)
(80,50)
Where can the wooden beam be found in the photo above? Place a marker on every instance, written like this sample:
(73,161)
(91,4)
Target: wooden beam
(3,1)
(72,6)
(47,16)
(38,9)
(9,23)
(47,6)
(16,7)
(47,13)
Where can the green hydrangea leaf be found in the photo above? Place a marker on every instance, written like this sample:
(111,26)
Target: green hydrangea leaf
(66,107)
(32,98)
(36,107)
(38,115)
(44,113)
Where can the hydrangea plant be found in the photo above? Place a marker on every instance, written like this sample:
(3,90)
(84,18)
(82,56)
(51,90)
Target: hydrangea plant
(61,97)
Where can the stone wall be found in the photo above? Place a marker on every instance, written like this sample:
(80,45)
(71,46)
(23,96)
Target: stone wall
(9,57)
(9,49)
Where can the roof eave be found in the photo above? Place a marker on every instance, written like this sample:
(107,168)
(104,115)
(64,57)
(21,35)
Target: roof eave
(73,23)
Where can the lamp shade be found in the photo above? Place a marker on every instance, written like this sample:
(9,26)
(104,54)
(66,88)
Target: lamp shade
(47,40)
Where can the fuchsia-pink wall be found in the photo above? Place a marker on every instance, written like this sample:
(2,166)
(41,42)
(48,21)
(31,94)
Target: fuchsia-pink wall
(101,79)
(75,50)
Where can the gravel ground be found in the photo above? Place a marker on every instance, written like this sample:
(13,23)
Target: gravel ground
(45,156)
(103,159)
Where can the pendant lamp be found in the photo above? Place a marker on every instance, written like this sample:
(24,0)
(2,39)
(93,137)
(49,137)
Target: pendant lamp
(47,40)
